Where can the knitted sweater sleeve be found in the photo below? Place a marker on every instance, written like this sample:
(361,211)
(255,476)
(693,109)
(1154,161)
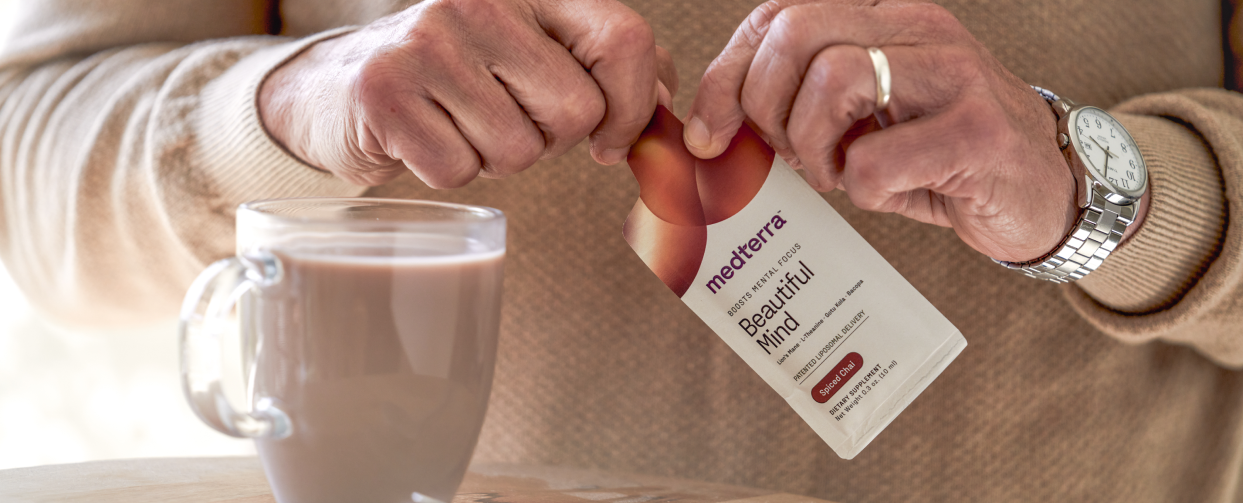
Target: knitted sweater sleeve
(1180,278)
(125,147)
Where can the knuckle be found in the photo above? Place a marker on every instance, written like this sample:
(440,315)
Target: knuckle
(993,127)
(862,171)
(935,16)
(458,11)
(381,93)
(448,176)
(863,199)
(810,148)
(578,114)
(793,26)
(869,200)
(368,174)
(381,175)
(437,166)
(787,24)
(833,73)
(831,70)
(423,54)
(980,118)
(517,152)
(822,179)
(960,65)
(434,51)
(802,142)
(631,125)
(376,80)
(627,34)
(759,106)
(756,25)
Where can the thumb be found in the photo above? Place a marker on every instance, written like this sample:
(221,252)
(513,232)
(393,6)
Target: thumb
(717,112)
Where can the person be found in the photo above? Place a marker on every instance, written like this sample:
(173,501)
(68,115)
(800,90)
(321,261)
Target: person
(131,131)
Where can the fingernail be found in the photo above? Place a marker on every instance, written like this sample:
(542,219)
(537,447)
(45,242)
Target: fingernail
(614,155)
(697,134)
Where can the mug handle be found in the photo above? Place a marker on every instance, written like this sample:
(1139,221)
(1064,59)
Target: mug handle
(204,315)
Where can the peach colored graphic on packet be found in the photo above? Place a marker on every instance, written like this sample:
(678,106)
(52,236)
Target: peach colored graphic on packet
(680,195)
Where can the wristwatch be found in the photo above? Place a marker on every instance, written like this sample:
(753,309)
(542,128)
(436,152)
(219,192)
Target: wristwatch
(1110,178)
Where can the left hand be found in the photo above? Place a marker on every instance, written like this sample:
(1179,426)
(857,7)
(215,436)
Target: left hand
(963,143)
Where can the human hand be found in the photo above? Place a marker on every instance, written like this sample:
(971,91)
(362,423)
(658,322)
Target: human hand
(963,143)
(454,89)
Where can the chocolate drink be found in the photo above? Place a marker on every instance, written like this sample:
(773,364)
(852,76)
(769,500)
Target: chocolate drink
(383,365)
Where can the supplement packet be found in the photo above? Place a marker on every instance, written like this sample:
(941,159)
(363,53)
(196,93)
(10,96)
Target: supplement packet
(761,258)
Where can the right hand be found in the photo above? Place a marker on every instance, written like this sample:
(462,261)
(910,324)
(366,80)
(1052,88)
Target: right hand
(454,89)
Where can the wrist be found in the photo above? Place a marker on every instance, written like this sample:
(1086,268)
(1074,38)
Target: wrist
(285,98)
(1113,208)
(274,103)
(1141,211)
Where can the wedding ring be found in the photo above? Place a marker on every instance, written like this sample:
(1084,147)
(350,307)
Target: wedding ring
(883,80)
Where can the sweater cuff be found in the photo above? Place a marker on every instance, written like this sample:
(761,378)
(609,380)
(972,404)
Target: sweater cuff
(239,156)
(1183,266)
(1183,229)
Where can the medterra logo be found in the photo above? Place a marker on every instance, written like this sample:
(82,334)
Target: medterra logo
(743,252)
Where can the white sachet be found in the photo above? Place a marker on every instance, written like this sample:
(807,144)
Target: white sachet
(761,258)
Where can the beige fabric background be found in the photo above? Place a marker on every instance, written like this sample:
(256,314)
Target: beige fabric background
(601,366)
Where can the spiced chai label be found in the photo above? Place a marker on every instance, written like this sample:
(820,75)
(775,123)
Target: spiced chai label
(791,287)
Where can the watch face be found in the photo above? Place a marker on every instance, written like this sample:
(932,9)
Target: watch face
(1108,151)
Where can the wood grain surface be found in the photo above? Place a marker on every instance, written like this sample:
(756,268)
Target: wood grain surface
(241,480)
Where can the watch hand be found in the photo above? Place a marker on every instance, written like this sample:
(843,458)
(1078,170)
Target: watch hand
(1108,154)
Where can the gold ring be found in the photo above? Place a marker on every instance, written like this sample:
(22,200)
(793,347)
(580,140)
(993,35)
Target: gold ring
(883,80)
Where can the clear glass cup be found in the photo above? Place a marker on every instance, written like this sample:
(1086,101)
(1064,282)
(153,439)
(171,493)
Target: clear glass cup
(369,329)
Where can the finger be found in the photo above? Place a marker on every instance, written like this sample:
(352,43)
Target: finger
(431,147)
(896,169)
(892,170)
(801,32)
(837,92)
(916,168)
(663,97)
(550,85)
(666,72)
(617,47)
(488,117)
(717,111)
(666,78)
(838,96)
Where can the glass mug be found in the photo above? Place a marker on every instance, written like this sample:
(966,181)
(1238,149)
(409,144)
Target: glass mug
(369,329)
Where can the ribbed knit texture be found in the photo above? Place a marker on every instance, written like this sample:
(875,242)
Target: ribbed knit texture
(1188,205)
(234,142)
(1112,390)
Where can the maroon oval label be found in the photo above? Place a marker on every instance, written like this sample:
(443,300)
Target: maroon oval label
(834,380)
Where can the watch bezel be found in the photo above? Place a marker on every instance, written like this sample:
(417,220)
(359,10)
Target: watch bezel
(1112,193)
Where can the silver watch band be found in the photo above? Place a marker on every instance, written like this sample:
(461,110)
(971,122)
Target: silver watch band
(1098,232)
(1048,95)
(1094,237)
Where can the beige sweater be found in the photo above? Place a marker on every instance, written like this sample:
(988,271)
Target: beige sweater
(128,134)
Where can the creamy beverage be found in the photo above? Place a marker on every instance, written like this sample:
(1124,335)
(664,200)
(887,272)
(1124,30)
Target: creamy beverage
(383,365)
(369,333)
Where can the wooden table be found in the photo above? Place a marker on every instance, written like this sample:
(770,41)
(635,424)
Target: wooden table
(241,480)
